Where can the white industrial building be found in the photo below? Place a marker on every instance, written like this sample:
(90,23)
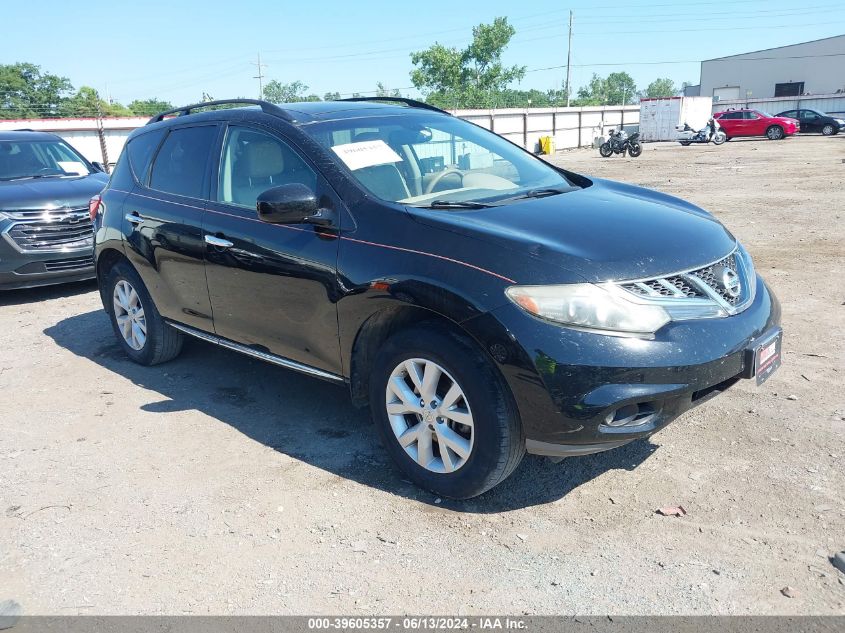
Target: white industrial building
(810,68)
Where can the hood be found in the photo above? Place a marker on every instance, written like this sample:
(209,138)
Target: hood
(607,231)
(39,193)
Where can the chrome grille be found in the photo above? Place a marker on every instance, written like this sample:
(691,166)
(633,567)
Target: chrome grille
(51,230)
(701,292)
(709,276)
(675,286)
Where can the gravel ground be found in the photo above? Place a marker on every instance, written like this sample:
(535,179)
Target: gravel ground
(219,485)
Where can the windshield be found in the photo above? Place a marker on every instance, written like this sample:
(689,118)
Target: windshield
(40,159)
(430,160)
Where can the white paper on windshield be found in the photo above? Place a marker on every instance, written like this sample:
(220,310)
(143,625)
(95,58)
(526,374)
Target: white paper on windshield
(366,154)
(72,167)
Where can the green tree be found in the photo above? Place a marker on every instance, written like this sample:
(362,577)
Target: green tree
(84,104)
(276,92)
(381,91)
(332,96)
(662,87)
(474,76)
(149,107)
(617,89)
(27,92)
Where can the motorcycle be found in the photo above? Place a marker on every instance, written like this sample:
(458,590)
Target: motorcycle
(619,142)
(687,135)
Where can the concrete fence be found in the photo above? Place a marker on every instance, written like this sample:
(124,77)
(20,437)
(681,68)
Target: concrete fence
(570,127)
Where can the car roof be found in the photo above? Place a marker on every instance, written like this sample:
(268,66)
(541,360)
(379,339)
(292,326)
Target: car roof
(27,135)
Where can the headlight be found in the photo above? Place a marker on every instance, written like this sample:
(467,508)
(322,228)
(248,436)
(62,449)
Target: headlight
(588,306)
(840,121)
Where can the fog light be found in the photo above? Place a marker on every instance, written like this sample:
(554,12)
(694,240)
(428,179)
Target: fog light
(622,415)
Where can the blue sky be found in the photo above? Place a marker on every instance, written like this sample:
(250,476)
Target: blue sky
(178,50)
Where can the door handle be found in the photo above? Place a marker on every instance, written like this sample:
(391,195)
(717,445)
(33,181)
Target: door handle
(218,241)
(134,218)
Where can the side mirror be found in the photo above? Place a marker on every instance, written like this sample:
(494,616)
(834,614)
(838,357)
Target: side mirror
(287,204)
(99,166)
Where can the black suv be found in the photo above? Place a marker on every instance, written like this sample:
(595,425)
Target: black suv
(45,227)
(483,302)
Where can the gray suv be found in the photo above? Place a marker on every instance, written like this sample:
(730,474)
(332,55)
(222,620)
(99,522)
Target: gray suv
(45,229)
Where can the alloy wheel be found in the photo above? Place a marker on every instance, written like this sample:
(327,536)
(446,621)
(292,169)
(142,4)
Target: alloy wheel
(129,314)
(430,415)
(774,133)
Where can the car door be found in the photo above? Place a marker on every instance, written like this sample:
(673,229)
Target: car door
(730,123)
(273,287)
(163,223)
(753,124)
(810,121)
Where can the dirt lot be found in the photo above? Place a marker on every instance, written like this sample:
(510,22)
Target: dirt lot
(217,484)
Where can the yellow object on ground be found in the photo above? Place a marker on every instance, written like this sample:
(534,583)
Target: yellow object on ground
(547,145)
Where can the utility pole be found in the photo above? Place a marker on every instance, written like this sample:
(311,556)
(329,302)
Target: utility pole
(568,59)
(260,76)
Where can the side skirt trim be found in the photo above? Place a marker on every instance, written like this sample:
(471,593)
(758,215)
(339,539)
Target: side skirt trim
(265,356)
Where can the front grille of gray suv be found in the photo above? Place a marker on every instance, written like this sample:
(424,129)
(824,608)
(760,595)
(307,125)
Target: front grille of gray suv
(50,230)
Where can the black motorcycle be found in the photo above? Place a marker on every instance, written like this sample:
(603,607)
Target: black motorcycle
(619,142)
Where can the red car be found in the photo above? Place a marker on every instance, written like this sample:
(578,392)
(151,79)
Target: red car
(755,123)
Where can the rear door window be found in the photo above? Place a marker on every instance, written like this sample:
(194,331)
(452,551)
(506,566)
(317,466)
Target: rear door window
(181,165)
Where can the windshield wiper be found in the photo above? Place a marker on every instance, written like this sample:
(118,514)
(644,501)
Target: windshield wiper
(542,193)
(33,177)
(454,204)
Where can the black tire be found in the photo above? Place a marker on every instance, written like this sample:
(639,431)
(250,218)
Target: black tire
(774,133)
(498,444)
(605,150)
(634,149)
(685,143)
(163,342)
(828,129)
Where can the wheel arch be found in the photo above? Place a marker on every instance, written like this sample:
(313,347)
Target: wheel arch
(106,260)
(375,331)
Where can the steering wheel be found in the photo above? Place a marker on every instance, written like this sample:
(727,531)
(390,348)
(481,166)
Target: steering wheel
(436,180)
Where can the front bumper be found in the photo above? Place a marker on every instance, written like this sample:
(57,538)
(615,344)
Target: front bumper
(20,269)
(571,386)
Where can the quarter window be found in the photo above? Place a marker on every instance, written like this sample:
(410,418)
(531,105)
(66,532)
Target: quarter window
(254,162)
(180,165)
(140,151)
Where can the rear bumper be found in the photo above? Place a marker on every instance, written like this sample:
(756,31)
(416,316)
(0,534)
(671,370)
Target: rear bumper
(573,387)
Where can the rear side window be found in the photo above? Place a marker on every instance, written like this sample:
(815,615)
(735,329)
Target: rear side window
(140,152)
(180,165)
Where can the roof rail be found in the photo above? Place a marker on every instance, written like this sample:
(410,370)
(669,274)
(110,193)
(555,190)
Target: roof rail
(411,103)
(266,107)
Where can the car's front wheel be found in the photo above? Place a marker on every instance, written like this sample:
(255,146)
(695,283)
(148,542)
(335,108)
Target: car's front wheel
(444,414)
(774,133)
(140,330)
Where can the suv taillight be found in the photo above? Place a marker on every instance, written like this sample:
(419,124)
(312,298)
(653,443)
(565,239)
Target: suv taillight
(94,205)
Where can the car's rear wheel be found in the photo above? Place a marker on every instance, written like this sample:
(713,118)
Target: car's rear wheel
(774,133)
(828,130)
(443,413)
(140,330)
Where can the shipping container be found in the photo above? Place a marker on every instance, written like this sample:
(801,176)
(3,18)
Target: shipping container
(659,118)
